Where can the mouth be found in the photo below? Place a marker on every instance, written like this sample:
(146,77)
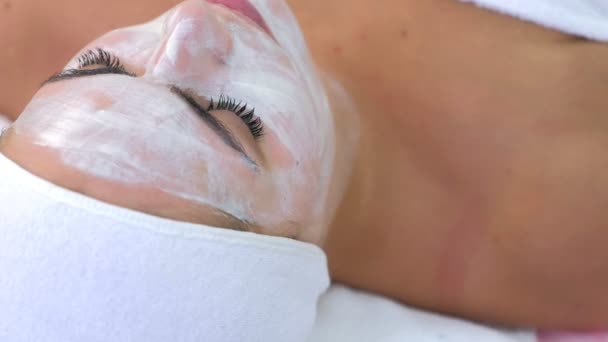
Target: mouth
(246,9)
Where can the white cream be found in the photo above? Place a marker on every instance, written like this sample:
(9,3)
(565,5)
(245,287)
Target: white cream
(4,122)
(134,131)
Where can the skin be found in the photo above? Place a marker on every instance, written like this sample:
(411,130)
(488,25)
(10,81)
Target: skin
(478,187)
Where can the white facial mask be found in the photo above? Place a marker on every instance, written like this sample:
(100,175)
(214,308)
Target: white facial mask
(133,131)
(4,122)
(76,269)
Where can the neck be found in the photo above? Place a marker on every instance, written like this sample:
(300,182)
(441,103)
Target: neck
(468,138)
(373,197)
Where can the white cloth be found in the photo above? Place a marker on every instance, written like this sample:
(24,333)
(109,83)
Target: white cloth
(76,269)
(347,315)
(586,18)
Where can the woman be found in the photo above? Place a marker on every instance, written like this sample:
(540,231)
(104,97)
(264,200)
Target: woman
(159,118)
(476,187)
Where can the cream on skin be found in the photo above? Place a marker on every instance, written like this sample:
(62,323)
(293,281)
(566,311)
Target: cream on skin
(135,130)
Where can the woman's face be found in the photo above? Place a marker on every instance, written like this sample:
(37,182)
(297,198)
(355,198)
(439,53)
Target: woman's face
(170,105)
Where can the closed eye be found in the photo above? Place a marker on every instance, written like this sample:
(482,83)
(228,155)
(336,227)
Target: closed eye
(106,64)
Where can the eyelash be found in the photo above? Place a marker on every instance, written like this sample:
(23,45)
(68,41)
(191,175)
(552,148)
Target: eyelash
(241,110)
(112,63)
(100,57)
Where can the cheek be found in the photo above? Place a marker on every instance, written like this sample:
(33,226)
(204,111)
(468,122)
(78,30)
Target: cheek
(281,157)
(302,149)
(300,191)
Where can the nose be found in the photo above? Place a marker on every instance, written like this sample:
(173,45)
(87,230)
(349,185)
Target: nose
(193,41)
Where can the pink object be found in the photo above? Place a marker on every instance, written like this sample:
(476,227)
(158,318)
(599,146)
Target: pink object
(550,336)
(246,9)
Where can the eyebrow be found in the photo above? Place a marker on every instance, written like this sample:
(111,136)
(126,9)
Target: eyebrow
(236,223)
(187,96)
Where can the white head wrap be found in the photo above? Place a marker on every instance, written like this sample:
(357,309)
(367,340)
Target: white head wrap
(76,269)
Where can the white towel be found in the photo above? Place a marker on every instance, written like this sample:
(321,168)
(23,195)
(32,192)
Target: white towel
(586,18)
(74,269)
(347,315)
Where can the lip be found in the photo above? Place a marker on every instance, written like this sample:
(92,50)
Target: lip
(246,9)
